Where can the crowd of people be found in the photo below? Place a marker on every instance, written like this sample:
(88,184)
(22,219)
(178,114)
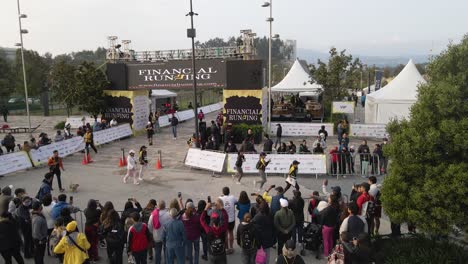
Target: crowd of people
(192,230)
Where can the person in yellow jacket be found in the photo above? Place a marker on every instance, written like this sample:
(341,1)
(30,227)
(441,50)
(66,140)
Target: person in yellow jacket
(89,140)
(74,245)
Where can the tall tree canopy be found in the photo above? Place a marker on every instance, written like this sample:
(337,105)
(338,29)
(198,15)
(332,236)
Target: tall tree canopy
(428,176)
(62,84)
(90,83)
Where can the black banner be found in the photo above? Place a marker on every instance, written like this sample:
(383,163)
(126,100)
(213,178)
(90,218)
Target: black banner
(176,74)
(119,108)
(243,109)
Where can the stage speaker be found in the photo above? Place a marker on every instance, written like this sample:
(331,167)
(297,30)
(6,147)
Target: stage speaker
(117,76)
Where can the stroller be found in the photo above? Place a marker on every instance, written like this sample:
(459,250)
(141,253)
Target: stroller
(312,239)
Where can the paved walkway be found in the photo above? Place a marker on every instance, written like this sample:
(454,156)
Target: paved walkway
(102,179)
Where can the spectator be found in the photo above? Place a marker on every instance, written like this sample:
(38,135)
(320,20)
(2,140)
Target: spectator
(242,205)
(363,198)
(268,145)
(328,218)
(200,208)
(73,245)
(62,203)
(24,219)
(374,192)
(279,133)
(114,234)
(46,186)
(247,239)
(47,205)
(312,207)
(147,211)
(264,224)
(297,207)
(318,149)
(324,132)
(92,214)
(138,239)
(159,218)
(229,202)
(291,148)
(351,157)
(39,232)
(284,223)
(274,200)
(201,115)
(282,149)
(113,122)
(9,142)
(358,250)
(130,209)
(191,221)
(320,140)
(354,224)
(149,132)
(44,139)
(216,237)
(10,239)
(174,122)
(377,156)
(303,147)
(231,147)
(344,141)
(364,155)
(334,160)
(289,255)
(174,237)
(59,136)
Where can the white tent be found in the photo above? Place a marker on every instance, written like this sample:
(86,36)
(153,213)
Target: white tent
(396,98)
(297,80)
(159,93)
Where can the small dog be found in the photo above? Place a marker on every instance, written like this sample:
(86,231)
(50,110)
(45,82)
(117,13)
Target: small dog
(74,187)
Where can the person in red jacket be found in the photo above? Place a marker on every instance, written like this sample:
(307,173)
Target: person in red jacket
(363,198)
(138,240)
(55,164)
(216,235)
(334,159)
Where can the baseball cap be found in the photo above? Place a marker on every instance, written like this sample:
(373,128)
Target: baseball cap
(296,162)
(131,151)
(263,154)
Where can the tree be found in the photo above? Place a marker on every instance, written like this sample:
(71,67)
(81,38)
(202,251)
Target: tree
(62,82)
(36,72)
(90,84)
(6,77)
(340,74)
(428,176)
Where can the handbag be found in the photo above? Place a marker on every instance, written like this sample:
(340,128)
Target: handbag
(291,180)
(86,261)
(260,257)
(131,259)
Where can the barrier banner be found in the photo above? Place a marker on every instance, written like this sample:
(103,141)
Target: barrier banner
(301,129)
(343,107)
(66,147)
(310,164)
(111,134)
(208,160)
(76,122)
(185,115)
(368,130)
(14,162)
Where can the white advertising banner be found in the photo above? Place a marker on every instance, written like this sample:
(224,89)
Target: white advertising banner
(15,161)
(368,130)
(164,121)
(76,122)
(343,108)
(310,164)
(141,110)
(208,160)
(301,129)
(111,134)
(185,115)
(65,148)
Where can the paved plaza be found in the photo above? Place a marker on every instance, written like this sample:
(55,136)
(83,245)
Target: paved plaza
(102,179)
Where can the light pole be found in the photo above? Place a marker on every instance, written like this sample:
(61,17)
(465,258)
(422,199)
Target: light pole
(24,31)
(191,33)
(270,20)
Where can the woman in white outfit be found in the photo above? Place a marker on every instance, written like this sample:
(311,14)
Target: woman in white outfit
(131,167)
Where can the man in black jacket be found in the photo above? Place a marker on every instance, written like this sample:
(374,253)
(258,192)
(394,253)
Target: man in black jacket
(268,145)
(297,206)
(279,133)
(174,122)
(10,239)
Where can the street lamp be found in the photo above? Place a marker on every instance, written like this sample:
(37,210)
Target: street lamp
(191,33)
(270,20)
(24,31)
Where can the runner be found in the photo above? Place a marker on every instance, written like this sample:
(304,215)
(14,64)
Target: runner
(150,133)
(261,166)
(131,168)
(292,176)
(239,171)
(143,159)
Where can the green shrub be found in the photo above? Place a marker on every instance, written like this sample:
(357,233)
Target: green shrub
(418,249)
(60,125)
(239,132)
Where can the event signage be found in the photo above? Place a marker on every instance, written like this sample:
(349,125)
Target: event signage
(378,80)
(343,108)
(301,129)
(76,122)
(111,134)
(208,160)
(368,130)
(141,112)
(176,74)
(120,109)
(243,106)
(65,148)
(310,163)
(14,162)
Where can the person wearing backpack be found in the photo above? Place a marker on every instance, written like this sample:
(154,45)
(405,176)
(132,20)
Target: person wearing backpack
(159,217)
(366,204)
(374,192)
(265,228)
(73,245)
(297,205)
(314,201)
(114,234)
(247,240)
(138,240)
(216,236)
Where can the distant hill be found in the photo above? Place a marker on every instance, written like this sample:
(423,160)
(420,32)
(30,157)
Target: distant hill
(311,56)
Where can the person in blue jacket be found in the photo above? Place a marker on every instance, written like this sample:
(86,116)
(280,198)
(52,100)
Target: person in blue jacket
(62,203)
(242,205)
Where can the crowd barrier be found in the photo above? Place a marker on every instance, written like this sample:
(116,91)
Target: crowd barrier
(301,129)
(21,160)
(364,164)
(368,130)
(189,114)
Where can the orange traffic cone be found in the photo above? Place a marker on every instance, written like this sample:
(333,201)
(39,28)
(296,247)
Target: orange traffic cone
(85,160)
(158,165)
(89,158)
(121,163)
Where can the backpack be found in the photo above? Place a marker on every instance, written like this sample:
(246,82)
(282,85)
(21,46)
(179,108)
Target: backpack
(217,246)
(115,235)
(377,198)
(370,209)
(139,240)
(55,238)
(156,223)
(247,238)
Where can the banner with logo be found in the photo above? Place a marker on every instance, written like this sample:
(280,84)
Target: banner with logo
(65,148)
(310,163)
(176,74)
(343,108)
(76,122)
(378,80)
(243,106)
(301,129)
(208,160)
(368,130)
(111,134)
(15,161)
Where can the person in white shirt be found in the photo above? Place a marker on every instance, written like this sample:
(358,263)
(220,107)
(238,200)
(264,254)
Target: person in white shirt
(131,168)
(229,202)
(354,224)
(374,192)
(113,122)
(164,219)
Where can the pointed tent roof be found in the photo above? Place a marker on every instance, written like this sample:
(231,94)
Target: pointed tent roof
(403,88)
(297,80)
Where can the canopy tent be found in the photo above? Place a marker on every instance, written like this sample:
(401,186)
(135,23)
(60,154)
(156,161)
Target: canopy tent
(396,98)
(157,94)
(297,80)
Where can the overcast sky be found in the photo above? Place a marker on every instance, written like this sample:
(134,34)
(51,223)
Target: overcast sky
(366,27)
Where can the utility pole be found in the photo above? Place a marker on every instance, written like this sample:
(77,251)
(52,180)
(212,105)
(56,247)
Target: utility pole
(191,33)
